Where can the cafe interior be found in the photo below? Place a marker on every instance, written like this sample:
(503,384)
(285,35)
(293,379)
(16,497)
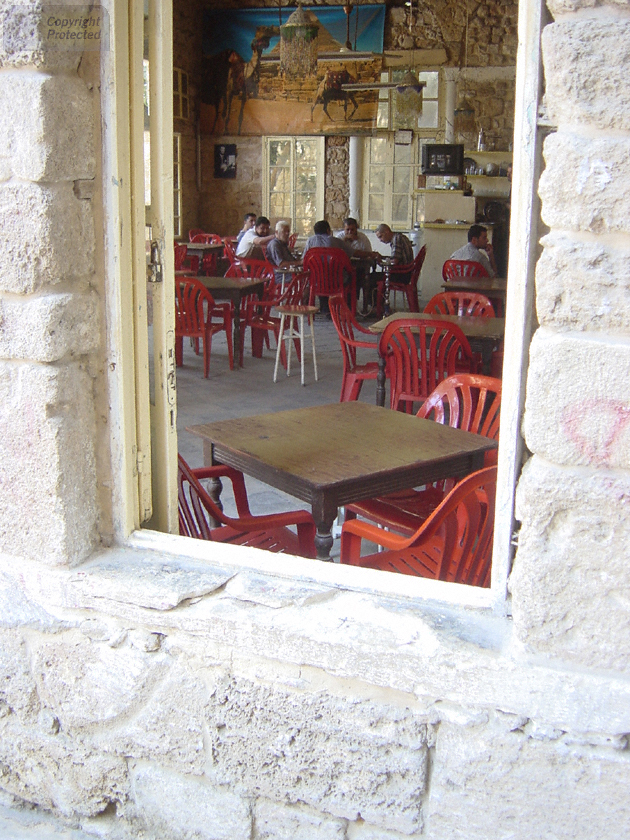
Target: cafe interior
(344,406)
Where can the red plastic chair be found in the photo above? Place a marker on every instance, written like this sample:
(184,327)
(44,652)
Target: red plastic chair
(460,303)
(464,401)
(254,269)
(261,321)
(185,262)
(454,544)
(410,289)
(420,355)
(354,375)
(198,514)
(209,261)
(292,240)
(452,269)
(195,232)
(229,251)
(257,270)
(328,268)
(195,314)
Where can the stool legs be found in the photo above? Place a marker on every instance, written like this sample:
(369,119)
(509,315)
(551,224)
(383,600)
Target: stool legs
(289,338)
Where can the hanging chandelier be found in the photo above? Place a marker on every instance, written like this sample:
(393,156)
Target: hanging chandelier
(298,45)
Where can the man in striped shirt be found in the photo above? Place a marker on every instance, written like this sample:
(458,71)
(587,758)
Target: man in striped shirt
(401,248)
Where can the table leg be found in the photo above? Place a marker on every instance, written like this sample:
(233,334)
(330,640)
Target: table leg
(237,335)
(324,515)
(214,485)
(381,379)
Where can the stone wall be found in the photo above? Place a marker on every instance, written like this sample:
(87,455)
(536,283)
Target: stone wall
(337,193)
(184,691)
(224,202)
(571,568)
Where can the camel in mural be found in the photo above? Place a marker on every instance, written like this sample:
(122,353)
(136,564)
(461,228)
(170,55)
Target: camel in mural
(329,90)
(229,77)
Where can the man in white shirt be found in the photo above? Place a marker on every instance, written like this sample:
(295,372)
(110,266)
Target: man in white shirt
(362,248)
(351,234)
(251,245)
(478,250)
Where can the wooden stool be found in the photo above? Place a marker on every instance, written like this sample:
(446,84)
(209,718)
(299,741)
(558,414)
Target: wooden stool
(293,312)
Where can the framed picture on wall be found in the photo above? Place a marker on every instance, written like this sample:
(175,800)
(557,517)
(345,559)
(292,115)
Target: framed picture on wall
(225,160)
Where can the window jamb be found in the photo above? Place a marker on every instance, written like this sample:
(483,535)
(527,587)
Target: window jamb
(518,331)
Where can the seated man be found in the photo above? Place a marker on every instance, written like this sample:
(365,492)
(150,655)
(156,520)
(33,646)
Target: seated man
(401,248)
(278,251)
(351,234)
(323,238)
(361,248)
(478,250)
(249,220)
(251,245)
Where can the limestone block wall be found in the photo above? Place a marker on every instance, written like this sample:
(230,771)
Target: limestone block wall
(571,570)
(50,320)
(184,691)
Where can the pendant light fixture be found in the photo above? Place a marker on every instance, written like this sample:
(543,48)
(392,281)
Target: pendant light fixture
(464,123)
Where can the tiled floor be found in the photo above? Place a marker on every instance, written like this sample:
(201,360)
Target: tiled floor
(251,390)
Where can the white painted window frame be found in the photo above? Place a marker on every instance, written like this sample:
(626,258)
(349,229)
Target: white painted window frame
(320,193)
(518,332)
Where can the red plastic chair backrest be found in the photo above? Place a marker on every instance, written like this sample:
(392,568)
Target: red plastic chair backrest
(195,232)
(327,267)
(467,401)
(413,268)
(452,269)
(346,327)
(460,303)
(292,240)
(180,255)
(420,355)
(194,505)
(190,296)
(206,239)
(254,269)
(229,250)
(457,535)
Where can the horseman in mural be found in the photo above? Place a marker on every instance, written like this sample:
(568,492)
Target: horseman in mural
(330,90)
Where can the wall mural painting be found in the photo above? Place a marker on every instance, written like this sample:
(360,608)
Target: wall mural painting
(269,72)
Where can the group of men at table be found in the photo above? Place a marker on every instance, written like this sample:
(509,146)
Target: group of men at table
(255,235)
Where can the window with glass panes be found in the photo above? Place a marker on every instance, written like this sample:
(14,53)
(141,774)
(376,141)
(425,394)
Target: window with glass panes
(294,181)
(181,105)
(390,168)
(177,184)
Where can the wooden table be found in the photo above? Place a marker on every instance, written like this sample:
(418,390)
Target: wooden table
(484,334)
(201,248)
(331,455)
(493,287)
(233,289)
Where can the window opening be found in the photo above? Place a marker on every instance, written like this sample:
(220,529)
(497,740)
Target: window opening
(181,104)
(292,181)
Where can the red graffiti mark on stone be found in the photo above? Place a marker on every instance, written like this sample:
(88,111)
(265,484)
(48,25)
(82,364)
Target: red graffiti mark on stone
(595,425)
